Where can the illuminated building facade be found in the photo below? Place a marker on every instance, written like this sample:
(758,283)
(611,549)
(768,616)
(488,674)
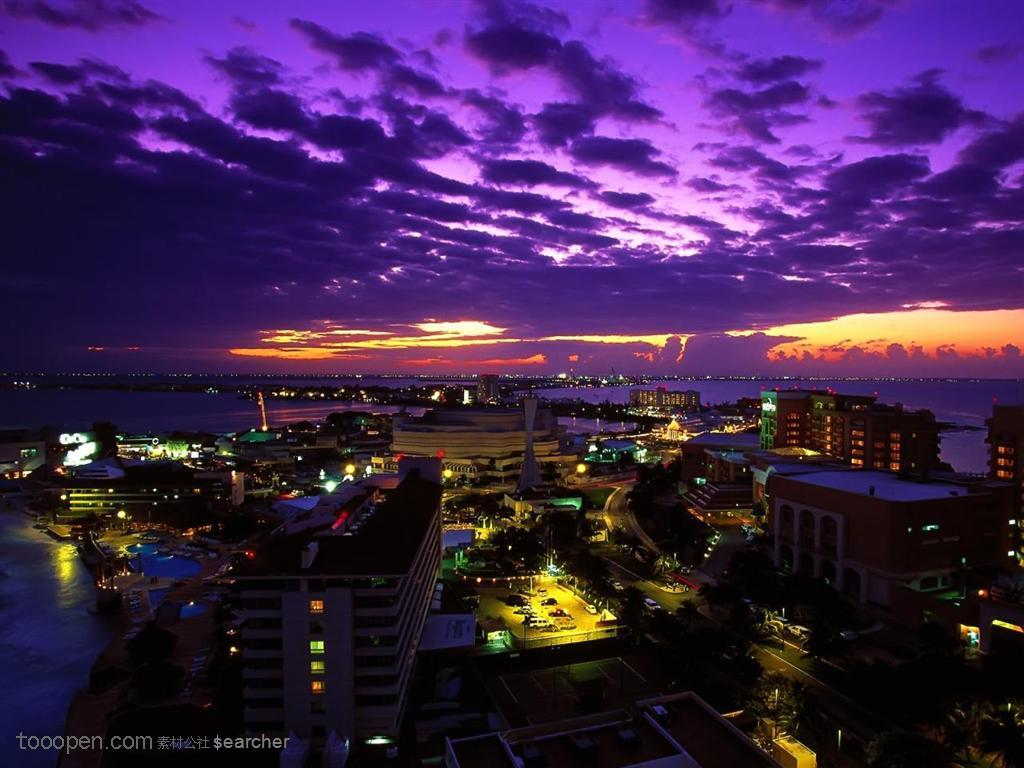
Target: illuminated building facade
(333,607)
(852,428)
(480,444)
(487,388)
(149,491)
(1006,457)
(663,397)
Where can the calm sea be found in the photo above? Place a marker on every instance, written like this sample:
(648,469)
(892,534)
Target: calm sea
(49,637)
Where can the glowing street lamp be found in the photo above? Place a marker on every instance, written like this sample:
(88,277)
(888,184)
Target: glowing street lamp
(121,514)
(581,469)
(448,474)
(350,469)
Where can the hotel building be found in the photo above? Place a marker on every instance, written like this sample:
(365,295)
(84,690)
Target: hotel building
(663,397)
(852,428)
(1006,458)
(333,607)
(870,532)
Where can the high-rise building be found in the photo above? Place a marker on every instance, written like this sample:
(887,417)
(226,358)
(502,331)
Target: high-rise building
(663,397)
(852,428)
(1006,457)
(333,606)
(487,388)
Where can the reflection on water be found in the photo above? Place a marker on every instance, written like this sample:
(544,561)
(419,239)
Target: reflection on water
(48,635)
(67,568)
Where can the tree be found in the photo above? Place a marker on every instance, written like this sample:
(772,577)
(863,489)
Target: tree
(521,546)
(688,614)
(963,727)
(631,610)
(1003,736)
(779,699)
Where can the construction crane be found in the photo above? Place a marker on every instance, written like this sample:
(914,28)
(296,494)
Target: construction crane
(263,411)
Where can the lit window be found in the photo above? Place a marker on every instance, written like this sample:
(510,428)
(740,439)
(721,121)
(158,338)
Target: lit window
(316,606)
(317,667)
(930,527)
(316,646)
(317,686)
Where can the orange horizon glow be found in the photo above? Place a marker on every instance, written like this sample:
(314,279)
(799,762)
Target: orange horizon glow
(925,330)
(970,332)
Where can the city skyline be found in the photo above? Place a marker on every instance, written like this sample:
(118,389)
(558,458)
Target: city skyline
(773,187)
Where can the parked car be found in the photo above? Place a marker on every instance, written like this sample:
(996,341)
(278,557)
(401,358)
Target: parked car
(590,609)
(557,612)
(542,590)
(800,633)
(651,605)
(617,586)
(515,600)
(549,601)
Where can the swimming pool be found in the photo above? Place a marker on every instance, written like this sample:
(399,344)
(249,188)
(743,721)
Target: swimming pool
(165,566)
(188,610)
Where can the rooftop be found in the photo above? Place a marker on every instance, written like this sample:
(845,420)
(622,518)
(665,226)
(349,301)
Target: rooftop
(736,441)
(883,485)
(679,729)
(388,536)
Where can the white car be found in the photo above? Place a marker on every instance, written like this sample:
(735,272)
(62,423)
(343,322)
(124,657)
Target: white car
(651,605)
(590,609)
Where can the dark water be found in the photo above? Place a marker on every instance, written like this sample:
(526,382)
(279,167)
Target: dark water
(48,637)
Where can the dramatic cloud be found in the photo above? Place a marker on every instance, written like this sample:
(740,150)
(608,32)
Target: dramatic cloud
(923,113)
(90,15)
(519,186)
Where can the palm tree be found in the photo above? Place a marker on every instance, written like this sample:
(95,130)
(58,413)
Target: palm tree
(688,614)
(632,610)
(963,726)
(1003,736)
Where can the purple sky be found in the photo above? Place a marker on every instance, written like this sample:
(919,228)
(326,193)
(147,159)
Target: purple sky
(675,186)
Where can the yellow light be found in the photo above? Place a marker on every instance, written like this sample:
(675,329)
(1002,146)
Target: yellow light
(121,514)
(350,469)
(581,469)
(447,474)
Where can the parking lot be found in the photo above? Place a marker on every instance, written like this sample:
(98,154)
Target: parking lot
(559,622)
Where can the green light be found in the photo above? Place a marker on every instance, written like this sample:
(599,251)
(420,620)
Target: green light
(330,485)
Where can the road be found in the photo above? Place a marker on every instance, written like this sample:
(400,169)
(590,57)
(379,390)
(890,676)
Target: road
(617,514)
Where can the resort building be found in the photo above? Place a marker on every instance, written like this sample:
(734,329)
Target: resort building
(148,491)
(851,428)
(870,532)
(333,607)
(663,397)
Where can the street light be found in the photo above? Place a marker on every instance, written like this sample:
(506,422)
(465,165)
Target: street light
(581,469)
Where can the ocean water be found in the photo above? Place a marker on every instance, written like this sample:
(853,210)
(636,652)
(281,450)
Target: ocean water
(49,635)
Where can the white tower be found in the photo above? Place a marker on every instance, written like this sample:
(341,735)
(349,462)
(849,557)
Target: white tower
(531,472)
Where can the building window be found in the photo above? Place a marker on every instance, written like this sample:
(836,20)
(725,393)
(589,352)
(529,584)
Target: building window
(317,687)
(317,667)
(316,646)
(929,527)
(316,627)
(316,606)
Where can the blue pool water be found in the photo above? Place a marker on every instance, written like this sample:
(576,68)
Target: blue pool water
(188,610)
(166,566)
